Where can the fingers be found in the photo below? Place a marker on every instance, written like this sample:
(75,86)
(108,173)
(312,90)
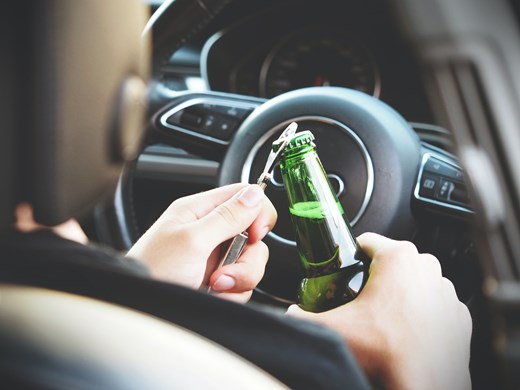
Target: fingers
(222,213)
(264,222)
(383,249)
(371,243)
(194,207)
(377,246)
(433,265)
(248,207)
(24,218)
(70,229)
(245,274)
(466,321)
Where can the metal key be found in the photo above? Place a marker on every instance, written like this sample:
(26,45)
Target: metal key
(238,242)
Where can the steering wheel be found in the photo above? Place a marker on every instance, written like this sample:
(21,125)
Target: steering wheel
(384,176)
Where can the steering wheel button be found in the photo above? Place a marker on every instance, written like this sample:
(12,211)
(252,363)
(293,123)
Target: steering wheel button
(191,119)
(434,165)
(225,127)
(446,189)
(239,113)
(231,111)
(460,195)
(209,124)
(428,186)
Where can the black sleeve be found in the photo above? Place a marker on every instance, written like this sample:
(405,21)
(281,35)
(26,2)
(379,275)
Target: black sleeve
(302,355)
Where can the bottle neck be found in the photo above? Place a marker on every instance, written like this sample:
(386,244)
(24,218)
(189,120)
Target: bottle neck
(299,151)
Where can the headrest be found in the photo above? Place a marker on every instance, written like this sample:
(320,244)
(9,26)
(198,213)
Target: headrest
(75,86)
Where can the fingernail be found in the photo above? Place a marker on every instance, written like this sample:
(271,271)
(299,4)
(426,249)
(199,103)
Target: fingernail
(223,283)
(251,196)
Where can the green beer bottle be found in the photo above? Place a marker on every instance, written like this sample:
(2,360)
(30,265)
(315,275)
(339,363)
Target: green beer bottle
(335,268)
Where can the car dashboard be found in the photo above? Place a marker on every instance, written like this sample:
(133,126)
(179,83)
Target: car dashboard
(262,49)
(287,45)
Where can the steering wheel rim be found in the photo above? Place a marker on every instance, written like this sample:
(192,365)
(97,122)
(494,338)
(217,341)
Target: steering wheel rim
(360,133)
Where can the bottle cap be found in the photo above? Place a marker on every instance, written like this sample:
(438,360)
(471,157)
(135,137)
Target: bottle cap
(300,139)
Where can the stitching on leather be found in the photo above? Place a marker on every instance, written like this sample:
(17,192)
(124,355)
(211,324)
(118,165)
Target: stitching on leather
(202,5)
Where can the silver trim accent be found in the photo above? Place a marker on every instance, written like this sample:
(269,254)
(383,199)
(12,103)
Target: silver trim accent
(202,100)
(121,215)
(273,181)
(208,45)
(155,17)
(246,170)
(429,127)
(340,182)
(420,198)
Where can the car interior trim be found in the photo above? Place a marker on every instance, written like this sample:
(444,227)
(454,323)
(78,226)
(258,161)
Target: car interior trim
(204,56)
(202,100)
(121,216)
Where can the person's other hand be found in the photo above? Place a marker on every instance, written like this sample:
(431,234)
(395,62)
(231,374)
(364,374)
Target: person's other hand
(407,327)
(186,243)
(71,229)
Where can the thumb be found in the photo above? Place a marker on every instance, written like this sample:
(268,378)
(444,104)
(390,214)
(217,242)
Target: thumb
(233,216)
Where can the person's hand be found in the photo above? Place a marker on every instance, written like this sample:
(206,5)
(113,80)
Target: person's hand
(70,230)
(406,328)
(185,244)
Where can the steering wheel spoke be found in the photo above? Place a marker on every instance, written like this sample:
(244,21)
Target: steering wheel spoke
(440,185)
(203,123)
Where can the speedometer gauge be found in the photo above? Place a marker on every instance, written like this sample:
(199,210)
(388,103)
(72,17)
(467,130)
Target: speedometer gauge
(318,58)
